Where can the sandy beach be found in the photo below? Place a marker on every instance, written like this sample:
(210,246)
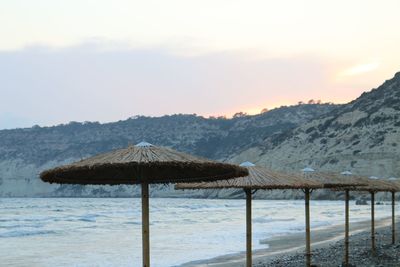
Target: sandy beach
(327,245)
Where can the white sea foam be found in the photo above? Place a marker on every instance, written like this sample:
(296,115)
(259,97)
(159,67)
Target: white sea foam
(107,232)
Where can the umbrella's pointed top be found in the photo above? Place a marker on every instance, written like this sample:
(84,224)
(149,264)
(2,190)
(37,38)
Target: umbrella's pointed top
(143,144)
(308,169)
(346,173)
(247,164)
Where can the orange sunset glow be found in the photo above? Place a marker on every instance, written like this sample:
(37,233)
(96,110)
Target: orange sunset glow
(215,58)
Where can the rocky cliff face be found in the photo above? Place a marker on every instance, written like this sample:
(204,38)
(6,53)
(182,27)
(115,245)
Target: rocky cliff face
(362,136)
(24,153)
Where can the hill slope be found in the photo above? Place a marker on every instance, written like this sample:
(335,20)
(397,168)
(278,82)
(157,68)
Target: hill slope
(362,136)
(25,152)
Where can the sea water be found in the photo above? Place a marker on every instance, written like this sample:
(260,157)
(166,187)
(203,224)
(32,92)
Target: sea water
(107,231)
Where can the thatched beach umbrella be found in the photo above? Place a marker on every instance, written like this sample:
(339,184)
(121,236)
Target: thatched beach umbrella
(338,182)
(142,164)
(376,185)
(364,184)
(262,178)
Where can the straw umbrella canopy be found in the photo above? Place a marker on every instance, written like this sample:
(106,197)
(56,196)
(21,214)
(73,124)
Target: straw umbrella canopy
(339,179)
(142,164)
(376,185)
(338,182)
(379,185)
(261,178)
(363,184)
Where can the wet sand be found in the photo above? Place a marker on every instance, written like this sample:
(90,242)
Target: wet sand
(283,247)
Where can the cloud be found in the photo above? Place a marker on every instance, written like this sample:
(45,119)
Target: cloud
(361,69)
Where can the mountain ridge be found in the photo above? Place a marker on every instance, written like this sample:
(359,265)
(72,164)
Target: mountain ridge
(25,152)
(362,136)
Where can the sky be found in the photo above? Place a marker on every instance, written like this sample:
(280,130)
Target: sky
(81,60)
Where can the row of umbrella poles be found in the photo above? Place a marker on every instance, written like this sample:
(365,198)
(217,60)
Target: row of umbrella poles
(146,164)
(262,178)
(371,185)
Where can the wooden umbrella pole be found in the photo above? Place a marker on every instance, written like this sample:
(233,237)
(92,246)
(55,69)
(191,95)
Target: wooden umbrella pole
(373,221)
(248,228)
(308,238)
(393,218)
(346,235)
(145,225)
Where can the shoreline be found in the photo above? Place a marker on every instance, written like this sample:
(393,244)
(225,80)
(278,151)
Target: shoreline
(293,244)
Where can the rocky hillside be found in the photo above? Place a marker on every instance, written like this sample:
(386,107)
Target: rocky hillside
(362,136)
(25,152)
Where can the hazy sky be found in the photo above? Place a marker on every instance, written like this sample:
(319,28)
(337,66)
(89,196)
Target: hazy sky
(108,60)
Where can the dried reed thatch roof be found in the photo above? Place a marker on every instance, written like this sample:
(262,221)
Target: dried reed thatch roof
(344,180)
(395,181)
(379,185)
(258,178)
(142,163)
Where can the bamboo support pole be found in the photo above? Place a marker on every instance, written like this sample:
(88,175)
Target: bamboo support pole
(145,225)
(248,229)
(393,218)
(346,235)
(373,221)
(308,238)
